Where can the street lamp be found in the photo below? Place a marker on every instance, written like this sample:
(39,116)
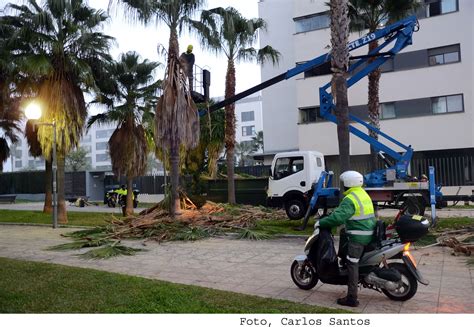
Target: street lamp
(33,111)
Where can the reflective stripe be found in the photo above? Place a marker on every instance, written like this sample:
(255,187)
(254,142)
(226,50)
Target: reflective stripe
(362,217)
(361,207)
(354,260)
(360,232)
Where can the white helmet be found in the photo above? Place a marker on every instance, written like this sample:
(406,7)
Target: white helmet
(352,178)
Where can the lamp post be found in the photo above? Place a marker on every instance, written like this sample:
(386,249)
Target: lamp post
(33,111)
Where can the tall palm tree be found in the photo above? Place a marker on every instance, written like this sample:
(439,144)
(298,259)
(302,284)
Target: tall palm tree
(177,120)
(227,31)
(339,64)
(9,102)
(372,15)
(130,97)
(65,44)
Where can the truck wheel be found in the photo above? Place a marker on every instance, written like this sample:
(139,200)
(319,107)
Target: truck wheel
(295,209)
(415,205)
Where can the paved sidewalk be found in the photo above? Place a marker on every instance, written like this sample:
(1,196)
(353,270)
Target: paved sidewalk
(252,267)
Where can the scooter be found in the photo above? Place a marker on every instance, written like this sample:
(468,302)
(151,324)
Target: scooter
(377,268)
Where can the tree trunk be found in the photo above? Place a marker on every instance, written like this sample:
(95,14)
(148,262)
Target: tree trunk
(48,186)
(129,197)
(339,64)
(174,176)
(373,106)
(230,130)
(62,213)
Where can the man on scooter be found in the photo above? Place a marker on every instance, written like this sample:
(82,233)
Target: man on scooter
(357,213)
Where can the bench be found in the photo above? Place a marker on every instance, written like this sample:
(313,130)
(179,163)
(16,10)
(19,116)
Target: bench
(7,198)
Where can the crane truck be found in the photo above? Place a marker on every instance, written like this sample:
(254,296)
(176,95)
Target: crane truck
(299,181)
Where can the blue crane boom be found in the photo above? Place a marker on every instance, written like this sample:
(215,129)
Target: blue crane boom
(398,35)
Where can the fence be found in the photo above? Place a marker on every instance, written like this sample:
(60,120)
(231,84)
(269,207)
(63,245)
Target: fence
(33,182)
(257,171)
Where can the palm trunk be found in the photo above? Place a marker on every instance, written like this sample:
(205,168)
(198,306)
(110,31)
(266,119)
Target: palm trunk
(339,63)
(174,176)
(230,130)
(48,186)
(62,212)
(174,142)
(129,197)
(373,106)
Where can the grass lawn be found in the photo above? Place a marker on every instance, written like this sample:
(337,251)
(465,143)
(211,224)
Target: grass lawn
(38,217)
(30,287)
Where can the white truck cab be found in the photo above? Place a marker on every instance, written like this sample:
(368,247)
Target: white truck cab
(292,175)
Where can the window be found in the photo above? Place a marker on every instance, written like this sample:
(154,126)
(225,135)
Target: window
(387,110)
(86,139)
(439,7)
(324,69)
(102,157)
(312,22)
(101,146)
(18,164)
(285,167)
(446,104)
(444,55)
(248,130)
(104,134)
(319,162)
(248,116)
(18,154)
(310,115)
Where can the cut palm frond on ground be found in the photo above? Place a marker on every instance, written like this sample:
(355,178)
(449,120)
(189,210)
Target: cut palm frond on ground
(156,224)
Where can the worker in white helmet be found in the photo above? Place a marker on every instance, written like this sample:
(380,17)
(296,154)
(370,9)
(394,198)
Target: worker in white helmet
(356,212)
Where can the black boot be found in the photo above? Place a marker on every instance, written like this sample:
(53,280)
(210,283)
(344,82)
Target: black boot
(348,301)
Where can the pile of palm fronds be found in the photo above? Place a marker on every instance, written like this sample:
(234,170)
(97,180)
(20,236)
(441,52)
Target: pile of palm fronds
(459,240)
(156,224)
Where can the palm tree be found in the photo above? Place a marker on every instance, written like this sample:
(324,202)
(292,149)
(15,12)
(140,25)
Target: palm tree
(130,98)
(339,64)
(64,46)
(243,150)
(9,103)
(372,15)
(177,120)
(258,142)
(227,31)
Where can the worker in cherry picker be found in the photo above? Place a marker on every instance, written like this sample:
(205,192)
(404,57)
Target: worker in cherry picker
(356,212)
(187,58)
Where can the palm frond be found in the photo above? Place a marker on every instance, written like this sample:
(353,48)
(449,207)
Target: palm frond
(253,235)
(109,251)
(78,245)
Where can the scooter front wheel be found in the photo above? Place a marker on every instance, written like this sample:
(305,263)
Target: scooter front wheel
(408,284)
(303,275)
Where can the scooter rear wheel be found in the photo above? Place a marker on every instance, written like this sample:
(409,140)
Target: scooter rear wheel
(408,286)
(303,275)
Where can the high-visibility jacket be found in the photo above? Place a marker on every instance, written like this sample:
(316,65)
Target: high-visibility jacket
(356,211)
(123,192)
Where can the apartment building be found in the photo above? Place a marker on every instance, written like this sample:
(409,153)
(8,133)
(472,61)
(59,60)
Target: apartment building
(95,142)
(426,91)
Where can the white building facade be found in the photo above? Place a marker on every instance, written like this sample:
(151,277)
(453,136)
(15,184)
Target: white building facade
(426,91)
(95,142)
